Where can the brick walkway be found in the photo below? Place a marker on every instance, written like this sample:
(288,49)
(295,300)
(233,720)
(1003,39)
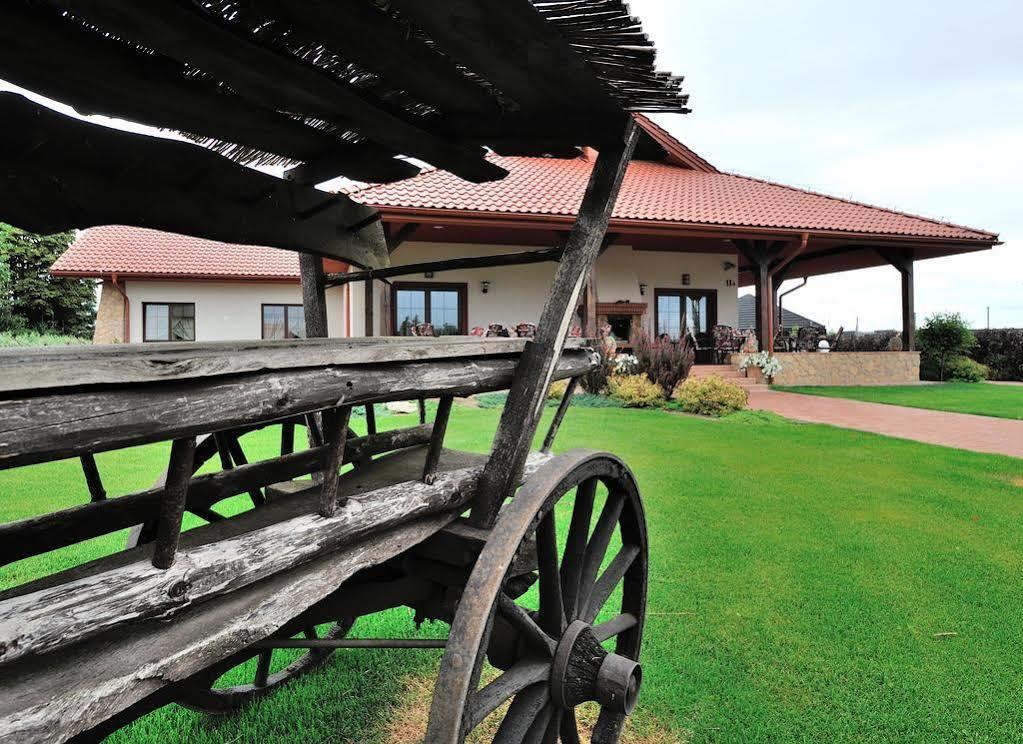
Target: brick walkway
(960,430)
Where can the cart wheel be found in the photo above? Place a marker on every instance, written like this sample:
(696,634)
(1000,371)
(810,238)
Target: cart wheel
(207,698)
(552,656)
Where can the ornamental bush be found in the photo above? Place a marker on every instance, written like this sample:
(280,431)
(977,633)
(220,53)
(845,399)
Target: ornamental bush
(710,396)
(1001,349)
(557,390)
(957,369)
(943,338)
(635,391)
(665,362)
(595,381)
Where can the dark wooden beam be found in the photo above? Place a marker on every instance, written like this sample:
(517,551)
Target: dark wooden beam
(60,59)
(314,295)
(904,262)
(372,38)
(535,370)
(74,174)
(369,305)
(450,264)
(273,80)
(395,238)
(172,506)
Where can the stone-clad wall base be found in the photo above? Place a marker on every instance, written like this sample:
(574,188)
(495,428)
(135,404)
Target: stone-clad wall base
(109,316)
(849,368)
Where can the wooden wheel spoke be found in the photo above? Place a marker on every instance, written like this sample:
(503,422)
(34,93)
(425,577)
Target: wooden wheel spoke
(569,728)
(310,632)
(552,609)
(531,672)
(614,626)
(537,733)
(575,545)
(596,549)
(263,667)
(608,580)
(523,713)
(521,620)
(208,514)
(553,726)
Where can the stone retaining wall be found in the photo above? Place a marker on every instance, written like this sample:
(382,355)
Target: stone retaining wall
(848,368)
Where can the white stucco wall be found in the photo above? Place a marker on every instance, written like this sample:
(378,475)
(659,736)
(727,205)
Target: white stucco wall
(226,311)
(517,293)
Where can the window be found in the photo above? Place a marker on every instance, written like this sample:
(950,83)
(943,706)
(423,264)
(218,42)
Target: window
(283,321)
(168,321)
(441,305)
(699,308)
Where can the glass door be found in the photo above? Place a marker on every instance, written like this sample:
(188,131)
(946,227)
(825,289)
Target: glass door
(693,311)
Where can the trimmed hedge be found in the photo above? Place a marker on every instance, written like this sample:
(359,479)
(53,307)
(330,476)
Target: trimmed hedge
(873,341)
(1001,351)
(711,396)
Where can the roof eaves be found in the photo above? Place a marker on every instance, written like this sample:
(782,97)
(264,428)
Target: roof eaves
(673,147)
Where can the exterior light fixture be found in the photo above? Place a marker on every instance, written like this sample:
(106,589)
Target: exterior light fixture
(728,265)
(484,286)
(428,275)
(642,288)
(687,279)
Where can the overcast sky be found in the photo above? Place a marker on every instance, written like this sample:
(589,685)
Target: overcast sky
(907,104)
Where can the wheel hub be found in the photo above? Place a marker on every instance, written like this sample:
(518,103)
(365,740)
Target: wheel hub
(583,670)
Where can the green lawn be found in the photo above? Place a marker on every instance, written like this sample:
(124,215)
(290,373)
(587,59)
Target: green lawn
(802,580)
(985,399)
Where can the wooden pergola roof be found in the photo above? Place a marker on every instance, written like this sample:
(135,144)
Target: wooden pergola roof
(325,88)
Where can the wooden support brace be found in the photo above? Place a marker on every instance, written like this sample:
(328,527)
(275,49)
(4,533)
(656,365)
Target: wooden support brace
(371,419)
(422,410)
(535,369)
(369,307)
(92,479)
(239,459)
(314,297)
(287,438)
(172,508)
(566,401)
(335,429)
(440,427)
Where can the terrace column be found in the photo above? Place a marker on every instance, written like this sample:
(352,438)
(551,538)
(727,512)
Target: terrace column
(903,261)
(769,263)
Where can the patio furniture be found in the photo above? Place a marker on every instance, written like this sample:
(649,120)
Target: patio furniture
(496,330)
(526,330)
(422,329)
(727,341)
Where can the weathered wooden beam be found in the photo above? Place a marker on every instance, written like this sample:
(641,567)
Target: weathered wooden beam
(536,368)
(450,264)
(440,428)
(314,295)
(172,505)
(396,238)
(74,174)
(335,429)
(60,59)
(369,305)
(32,370)
(41,621)
(45,532)
(49,427)
(270,79)
(373,39)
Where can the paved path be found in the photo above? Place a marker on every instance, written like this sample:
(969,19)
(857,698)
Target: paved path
(960,430)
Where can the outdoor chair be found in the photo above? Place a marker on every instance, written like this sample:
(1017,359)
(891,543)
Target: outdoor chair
(727,341)
(496,329)
(526,330)
(422,329)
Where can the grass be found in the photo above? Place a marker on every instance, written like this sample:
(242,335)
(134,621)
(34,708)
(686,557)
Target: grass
(31,338)
(808,583)
(984,399)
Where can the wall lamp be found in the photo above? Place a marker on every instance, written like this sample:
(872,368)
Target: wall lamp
(728,265)
(687,279)
(642,289)
(484,286)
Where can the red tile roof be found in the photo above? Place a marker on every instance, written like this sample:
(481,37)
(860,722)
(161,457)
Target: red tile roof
(128,251)
(656,192)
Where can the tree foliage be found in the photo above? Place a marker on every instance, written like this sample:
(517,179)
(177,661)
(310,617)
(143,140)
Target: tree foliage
(943,338)
(33,300)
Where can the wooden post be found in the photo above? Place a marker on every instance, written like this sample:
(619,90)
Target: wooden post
(314,295)
(440,427)
(908,308)
(172,508)
(566,401)
(535,369)
(92,478)
(765,289)
(369,307)
(335,432)
(590,303)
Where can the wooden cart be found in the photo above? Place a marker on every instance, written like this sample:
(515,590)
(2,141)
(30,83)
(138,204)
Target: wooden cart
(538,562)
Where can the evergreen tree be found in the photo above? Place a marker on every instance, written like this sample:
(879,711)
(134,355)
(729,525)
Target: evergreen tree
(31,299)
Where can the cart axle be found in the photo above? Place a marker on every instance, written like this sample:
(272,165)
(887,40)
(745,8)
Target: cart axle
(332,643)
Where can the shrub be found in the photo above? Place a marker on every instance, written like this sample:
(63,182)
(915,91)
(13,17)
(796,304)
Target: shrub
(710,396)
(1001,349)
(943,338)
(635,391)
(664,362)
(557,390)
(595,381)
(31,338)
(958,369)
(874,341)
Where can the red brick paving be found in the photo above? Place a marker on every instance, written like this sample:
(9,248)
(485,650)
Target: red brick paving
(960,430)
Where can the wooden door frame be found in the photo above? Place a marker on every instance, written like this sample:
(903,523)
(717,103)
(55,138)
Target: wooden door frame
(462,288)
(682,292)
